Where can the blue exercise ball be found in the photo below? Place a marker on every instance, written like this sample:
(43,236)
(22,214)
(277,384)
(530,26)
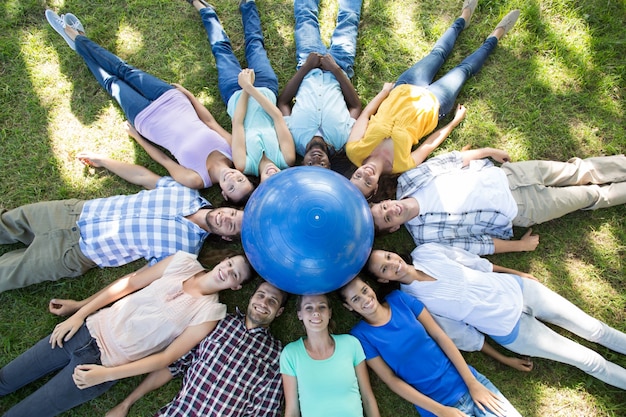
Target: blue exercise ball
(307,230)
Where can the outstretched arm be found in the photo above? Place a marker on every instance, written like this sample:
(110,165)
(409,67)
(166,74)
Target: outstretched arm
(64,331)
(132,173)
(153,381)
(290,390)
(479,393)
(360,126)
(349,93)
(527,243)
(521,364)
(204,114)
(474,154)
(284,100)
(370,406)
(435,139)
(239,132)
(409,393)
(86,376)
(285,140)
(185,176)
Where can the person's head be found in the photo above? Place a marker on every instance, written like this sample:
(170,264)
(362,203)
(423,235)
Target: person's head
(224,222)
(315,312)
(387,266)
(389,215)
(359,297)
(236,187)
(267,303)
(366,178)
(230,273)
(316,153)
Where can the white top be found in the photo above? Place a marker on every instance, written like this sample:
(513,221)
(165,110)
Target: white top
(466,289)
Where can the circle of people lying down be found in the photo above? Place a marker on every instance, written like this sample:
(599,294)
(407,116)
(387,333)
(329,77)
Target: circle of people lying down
(166,320)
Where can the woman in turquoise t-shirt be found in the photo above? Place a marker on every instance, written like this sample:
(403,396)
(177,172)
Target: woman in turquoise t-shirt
(324,374)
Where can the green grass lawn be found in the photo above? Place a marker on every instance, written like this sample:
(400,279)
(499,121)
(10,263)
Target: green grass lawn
(553,89)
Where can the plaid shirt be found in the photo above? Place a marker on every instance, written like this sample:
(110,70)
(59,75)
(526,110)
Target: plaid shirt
(150,224)
(470,230)
(233,372)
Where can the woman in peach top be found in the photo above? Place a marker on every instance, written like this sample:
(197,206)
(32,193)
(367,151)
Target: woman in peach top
(158,314)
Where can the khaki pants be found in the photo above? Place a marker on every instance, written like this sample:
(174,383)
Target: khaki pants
(51,236)
(546,190)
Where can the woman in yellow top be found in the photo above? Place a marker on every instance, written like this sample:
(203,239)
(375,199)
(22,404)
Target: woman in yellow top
(404,112)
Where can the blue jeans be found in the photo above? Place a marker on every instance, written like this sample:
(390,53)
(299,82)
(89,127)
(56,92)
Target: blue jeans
(132,88)
(60,393)
(228,67)
(467,405)
(447,88)
(536,339)
(343,40)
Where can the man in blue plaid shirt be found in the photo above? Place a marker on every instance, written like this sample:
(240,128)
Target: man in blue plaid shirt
(233,372)
(66,238)
(463,200)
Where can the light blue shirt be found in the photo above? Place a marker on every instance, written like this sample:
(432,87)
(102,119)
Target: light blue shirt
(261,135)
(320,105)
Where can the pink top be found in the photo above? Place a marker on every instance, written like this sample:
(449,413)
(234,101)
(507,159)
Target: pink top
(172,122)
(147,321)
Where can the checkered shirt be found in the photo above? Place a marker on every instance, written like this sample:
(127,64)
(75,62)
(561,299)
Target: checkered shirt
(150,224)
(471,230)
(233,372)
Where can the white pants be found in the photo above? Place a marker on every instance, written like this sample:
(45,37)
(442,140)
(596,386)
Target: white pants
(538,340)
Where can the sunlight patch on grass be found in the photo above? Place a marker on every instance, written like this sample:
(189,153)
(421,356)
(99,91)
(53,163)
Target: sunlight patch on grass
(557,401)
(66,133)
(589,285)
(589,134)
(605,242)
(555,76)
(129,40)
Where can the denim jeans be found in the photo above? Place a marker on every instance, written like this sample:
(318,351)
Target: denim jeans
(537,339)
(132,88)
(447,88)
(60,393)
(343,40)
(467,405)
(228,67)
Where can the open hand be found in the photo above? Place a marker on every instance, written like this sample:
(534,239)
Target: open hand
(90,159)
(65,331)
(483,398)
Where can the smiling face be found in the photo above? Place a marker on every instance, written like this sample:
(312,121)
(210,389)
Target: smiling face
(224,221)
(360,298)
(235,185)
(314,311)
(389,215)
(366,179)
(264,306)
(387,266)
(231,273)
(269,170)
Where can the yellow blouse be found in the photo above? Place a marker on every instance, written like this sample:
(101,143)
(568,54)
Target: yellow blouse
(408,114)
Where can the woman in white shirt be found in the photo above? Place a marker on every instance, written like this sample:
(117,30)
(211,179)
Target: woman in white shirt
(508,305)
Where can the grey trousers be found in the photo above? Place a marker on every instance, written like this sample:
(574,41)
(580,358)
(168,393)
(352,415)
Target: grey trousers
(49,231)
(546,190)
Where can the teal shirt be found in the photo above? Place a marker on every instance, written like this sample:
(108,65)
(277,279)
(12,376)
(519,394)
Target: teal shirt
(261,135)
(326,388)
